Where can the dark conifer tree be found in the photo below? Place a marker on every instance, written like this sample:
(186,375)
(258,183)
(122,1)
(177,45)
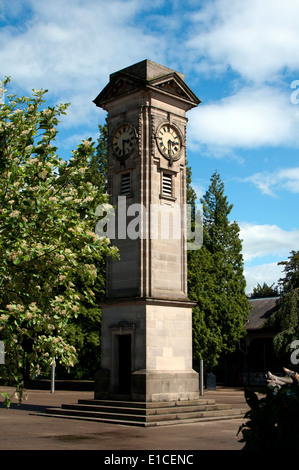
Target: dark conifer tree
(216,280)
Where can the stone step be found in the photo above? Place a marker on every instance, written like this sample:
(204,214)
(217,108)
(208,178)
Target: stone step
(231,414)
(188,409)
(102,415)
(145,411)
(55,413)
(147,405)
(167,413)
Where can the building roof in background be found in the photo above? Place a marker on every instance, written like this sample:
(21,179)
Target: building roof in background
(261,310)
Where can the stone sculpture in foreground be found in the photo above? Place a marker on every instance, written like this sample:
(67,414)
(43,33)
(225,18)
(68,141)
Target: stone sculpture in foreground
(289,377)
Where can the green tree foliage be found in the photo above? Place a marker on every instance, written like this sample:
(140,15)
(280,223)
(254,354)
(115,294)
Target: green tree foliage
(98,165)
(84,330)
(285,319)
(291,270)
(48,248)
(264,291)
(216,281)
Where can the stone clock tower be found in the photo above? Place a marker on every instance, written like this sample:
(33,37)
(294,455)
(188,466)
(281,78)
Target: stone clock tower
(147,319)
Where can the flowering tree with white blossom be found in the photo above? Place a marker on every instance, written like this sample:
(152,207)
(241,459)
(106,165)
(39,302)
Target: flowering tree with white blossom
(48,247)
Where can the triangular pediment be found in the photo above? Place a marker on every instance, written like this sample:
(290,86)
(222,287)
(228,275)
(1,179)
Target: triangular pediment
(173,85)
(146,75)
(119,86)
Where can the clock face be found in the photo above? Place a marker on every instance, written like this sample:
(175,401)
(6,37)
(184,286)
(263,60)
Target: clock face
(123,141)
(169,141)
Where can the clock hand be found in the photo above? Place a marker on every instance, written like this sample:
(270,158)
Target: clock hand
(169,152)
(124,141)
(170,143)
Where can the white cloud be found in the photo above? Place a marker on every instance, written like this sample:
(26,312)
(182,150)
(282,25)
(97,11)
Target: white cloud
(257,39)
(269,273)
(72,46)
(269,183)
(263,240)
(251,118)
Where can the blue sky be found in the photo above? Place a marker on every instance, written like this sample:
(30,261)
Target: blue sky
(240,57)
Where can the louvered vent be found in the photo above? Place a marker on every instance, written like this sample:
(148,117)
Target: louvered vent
(166,184)
(126,184)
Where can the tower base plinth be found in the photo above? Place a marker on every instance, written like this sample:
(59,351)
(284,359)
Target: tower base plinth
(159,386)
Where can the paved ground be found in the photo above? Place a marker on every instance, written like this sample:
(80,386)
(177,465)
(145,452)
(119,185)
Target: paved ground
(22,428)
